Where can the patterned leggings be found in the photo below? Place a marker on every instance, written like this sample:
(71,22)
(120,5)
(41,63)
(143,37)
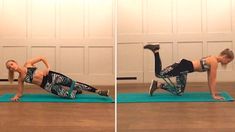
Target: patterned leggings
(63,86)
(178,70)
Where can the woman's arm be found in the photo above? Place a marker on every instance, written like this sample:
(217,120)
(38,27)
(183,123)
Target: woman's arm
(38,59)
(212,73)
(19,90)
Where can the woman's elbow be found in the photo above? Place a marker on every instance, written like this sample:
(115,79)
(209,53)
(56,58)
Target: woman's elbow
(42,58)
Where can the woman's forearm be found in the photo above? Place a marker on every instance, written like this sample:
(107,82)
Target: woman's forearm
(20,88)
(212,86)
(212,73)
(46,63)
(19,92)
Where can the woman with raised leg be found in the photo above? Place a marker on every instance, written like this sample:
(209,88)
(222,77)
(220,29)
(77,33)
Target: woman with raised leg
(180,70)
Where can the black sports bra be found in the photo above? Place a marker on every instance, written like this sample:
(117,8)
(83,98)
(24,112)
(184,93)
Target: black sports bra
(204,65)
(29,75)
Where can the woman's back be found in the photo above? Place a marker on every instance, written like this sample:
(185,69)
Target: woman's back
(204,63)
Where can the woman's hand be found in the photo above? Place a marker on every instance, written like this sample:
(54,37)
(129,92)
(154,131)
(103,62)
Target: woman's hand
(15,98)
(216,97)
(35,60)
(217,94)
(46,71)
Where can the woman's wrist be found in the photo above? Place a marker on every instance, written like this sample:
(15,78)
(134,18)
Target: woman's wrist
(18,95)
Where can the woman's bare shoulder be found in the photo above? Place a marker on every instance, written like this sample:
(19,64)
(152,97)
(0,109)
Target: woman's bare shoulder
(28,64)
(212,60)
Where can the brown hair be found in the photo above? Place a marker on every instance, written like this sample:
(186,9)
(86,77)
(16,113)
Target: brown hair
(10,72)
(228,53)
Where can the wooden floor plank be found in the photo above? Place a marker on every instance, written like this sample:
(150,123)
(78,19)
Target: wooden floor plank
(55,117)
(183,117)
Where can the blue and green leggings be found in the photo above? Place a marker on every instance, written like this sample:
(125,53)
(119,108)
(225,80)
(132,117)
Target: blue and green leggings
(63,86)
(178,70)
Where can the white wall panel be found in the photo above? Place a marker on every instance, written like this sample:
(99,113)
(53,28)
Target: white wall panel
(130,17)
(1,4)
(189,16)
(1,17)
(185,50)
(130,57)
(100,15)
(71,34)
(13,21)
(130,60)
(48,52)
(43,19)
(16,53)
(71,19)
(101,60)
(159,17)
(72,60)
(214,48)
(187,29)
(219,16)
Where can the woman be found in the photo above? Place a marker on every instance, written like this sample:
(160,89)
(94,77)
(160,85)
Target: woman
(51,81)
(180,71)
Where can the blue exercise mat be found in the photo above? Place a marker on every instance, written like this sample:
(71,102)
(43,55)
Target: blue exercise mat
(168,97)
(81,98)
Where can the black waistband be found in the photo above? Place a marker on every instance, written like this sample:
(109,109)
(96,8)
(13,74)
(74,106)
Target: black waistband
(47,78)
(186,65)
(202,65)
(44,81)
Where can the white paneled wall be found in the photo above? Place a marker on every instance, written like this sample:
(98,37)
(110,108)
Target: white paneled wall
(13,19)
(76,36)
(219,16)
(187,29)
(163,23)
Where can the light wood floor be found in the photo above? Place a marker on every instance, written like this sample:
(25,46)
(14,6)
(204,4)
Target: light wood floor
(132,117)
(177,117)
(55,117)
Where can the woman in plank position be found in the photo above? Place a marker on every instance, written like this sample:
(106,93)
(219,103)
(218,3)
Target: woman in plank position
(53,82)
(181,69)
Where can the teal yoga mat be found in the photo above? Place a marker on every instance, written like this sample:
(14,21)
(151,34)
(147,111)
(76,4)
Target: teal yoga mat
(167,97)
(82,98)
